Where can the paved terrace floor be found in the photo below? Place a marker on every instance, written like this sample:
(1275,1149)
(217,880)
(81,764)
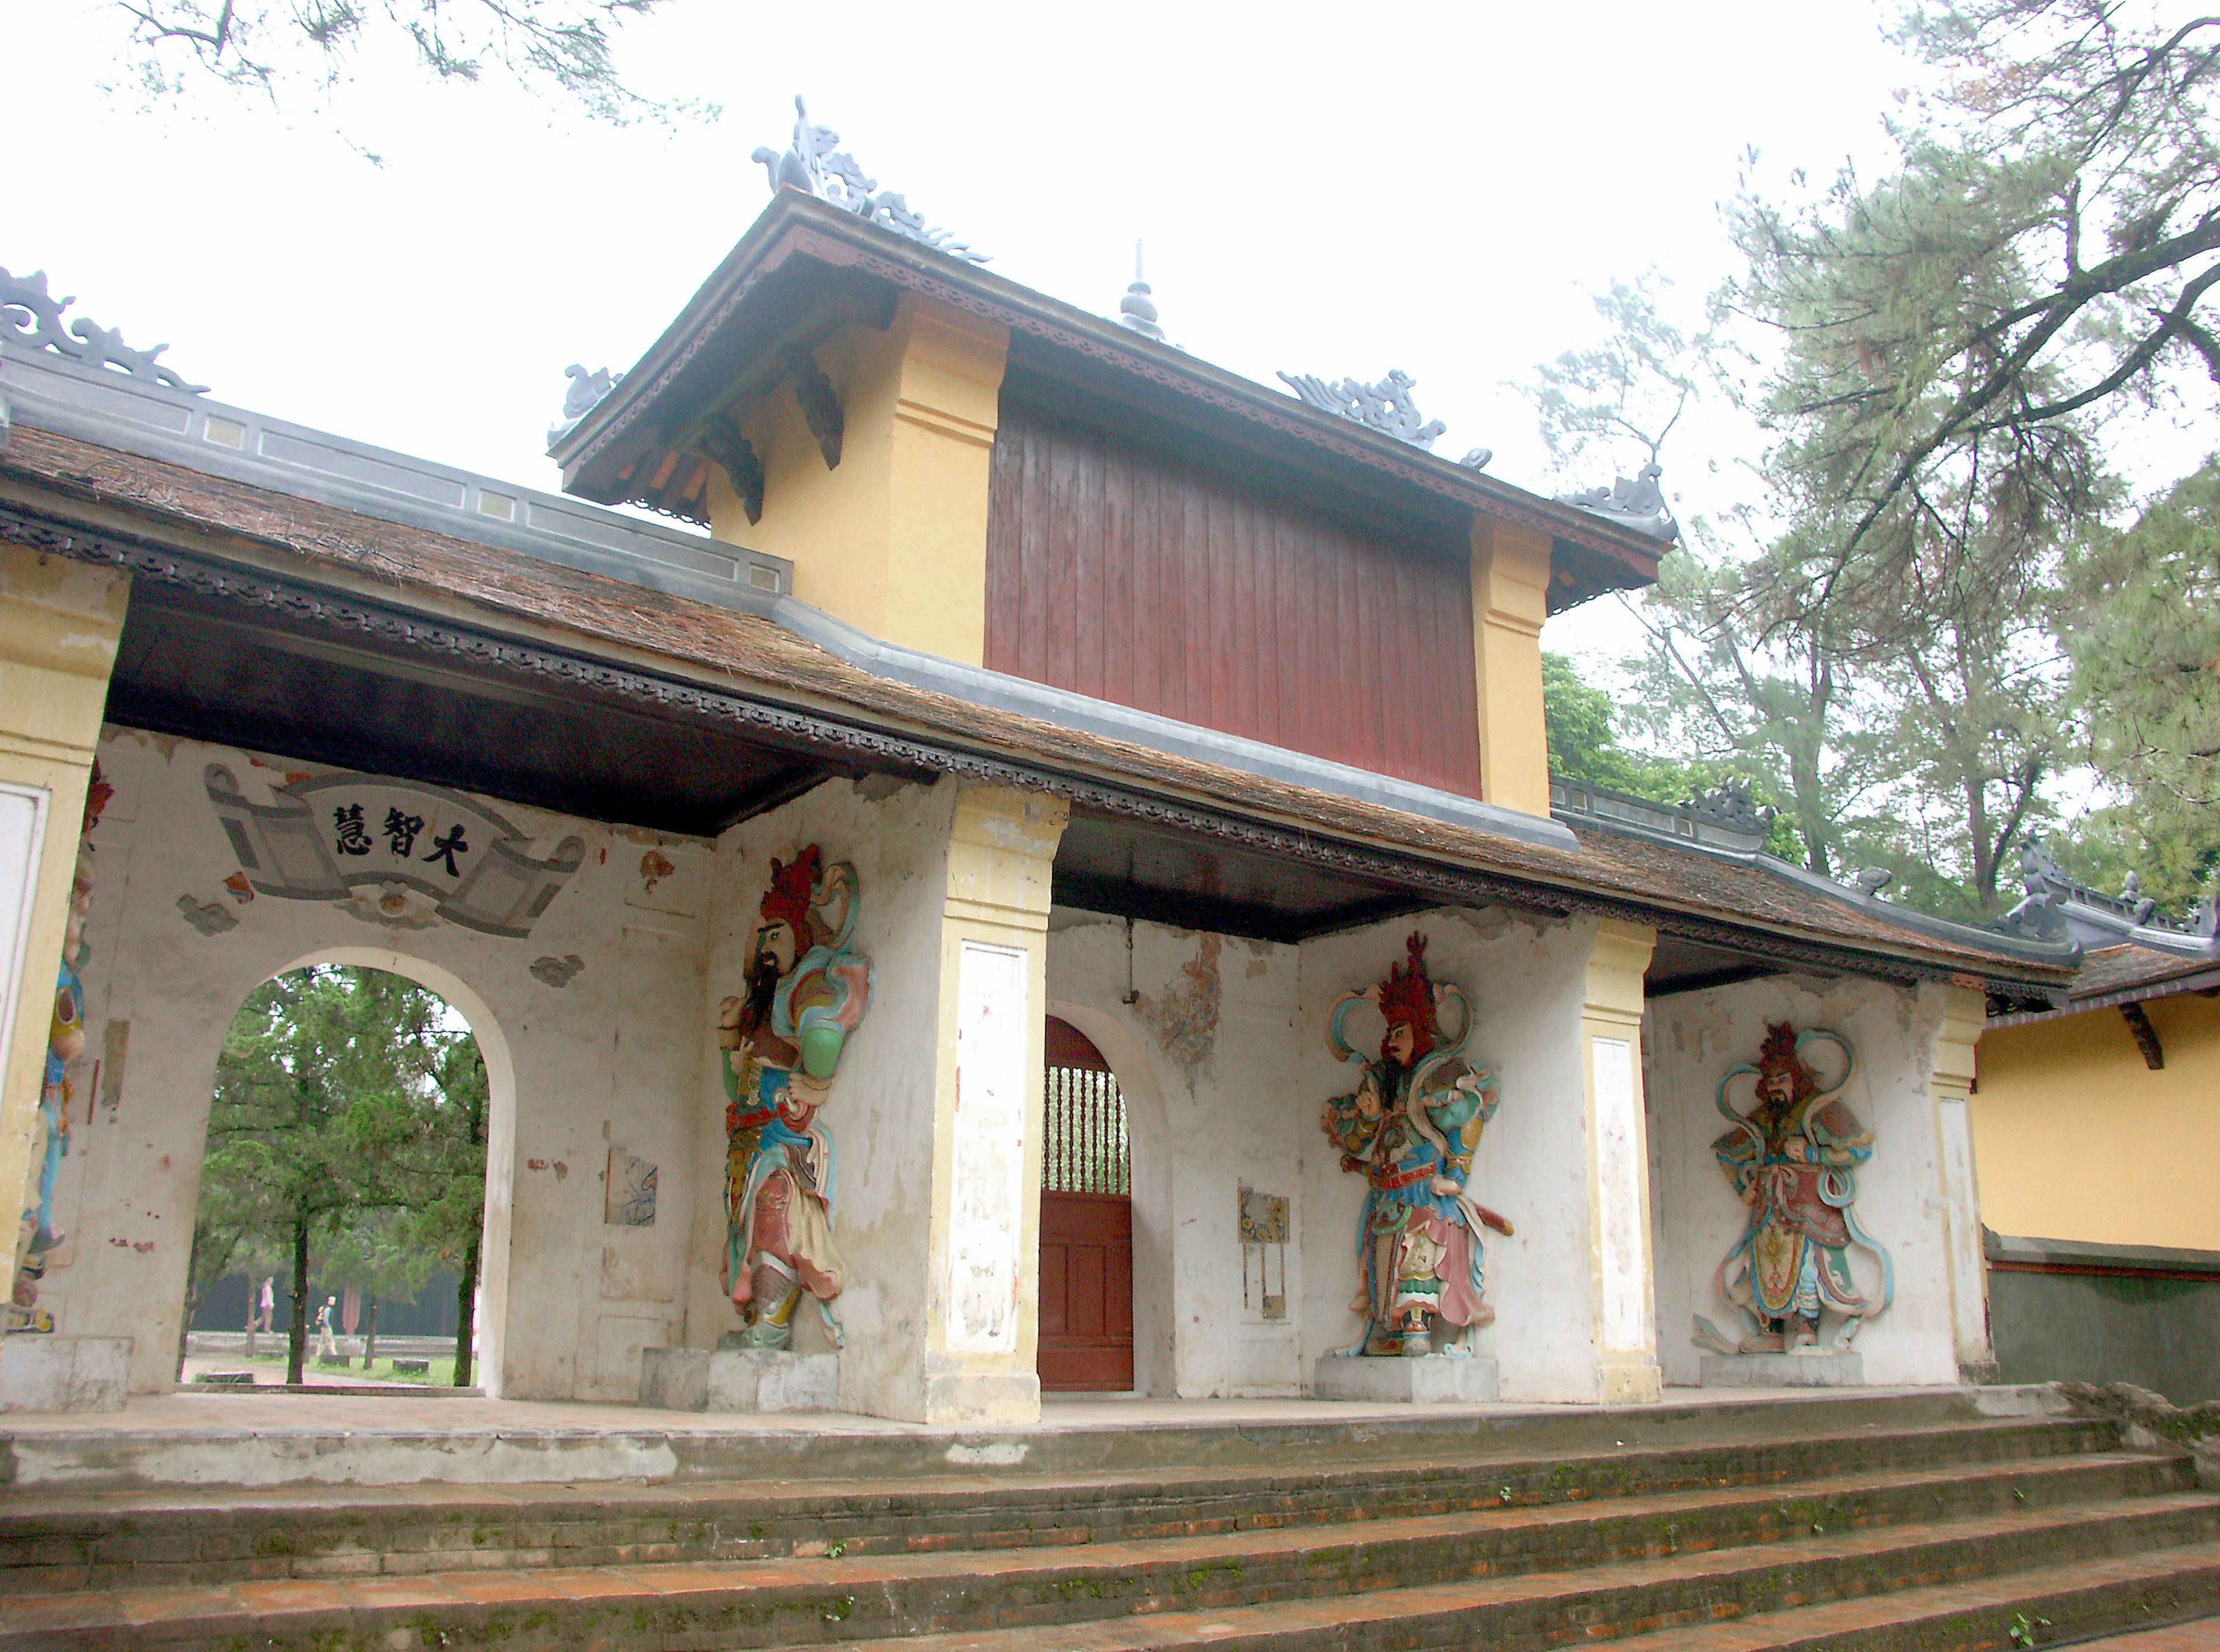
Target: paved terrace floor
(263,1410)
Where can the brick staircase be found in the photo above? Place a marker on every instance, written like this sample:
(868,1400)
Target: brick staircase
(1860,1522)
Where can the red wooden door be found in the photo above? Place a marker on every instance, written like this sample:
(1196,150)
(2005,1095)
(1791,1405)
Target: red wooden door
(1087,1292)
(1085,1340)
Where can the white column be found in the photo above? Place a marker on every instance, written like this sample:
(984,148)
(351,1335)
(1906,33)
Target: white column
(1963,1018)
(982,1277)
(1624,1296)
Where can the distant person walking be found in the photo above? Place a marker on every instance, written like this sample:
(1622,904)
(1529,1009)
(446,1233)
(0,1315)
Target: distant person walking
(269,1301)
(325,1348)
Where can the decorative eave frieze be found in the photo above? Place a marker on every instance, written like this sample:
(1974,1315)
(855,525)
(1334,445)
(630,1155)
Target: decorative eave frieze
(477,648)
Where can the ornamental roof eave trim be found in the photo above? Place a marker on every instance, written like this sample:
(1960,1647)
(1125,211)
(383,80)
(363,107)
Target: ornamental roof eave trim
(2000,958)
(797,225)
(2191,978)
(1687,830)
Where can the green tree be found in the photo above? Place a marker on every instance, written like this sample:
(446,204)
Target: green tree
(1710,701)
(329,1112)
(376,1257)
(1584,746)
(562,48)
(1981,731)
(446,1220)
(2147,675)
(1951,340)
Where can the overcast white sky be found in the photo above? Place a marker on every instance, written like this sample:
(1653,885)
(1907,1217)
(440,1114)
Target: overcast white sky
(1335,189)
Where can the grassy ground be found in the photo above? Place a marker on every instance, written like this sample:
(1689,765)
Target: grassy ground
(442,1374)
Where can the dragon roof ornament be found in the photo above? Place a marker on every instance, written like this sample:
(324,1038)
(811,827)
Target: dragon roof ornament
(1732,805)
(1639,504)
(2054,899)
(1386,407)
(30,315)
(815,167)
(580,398)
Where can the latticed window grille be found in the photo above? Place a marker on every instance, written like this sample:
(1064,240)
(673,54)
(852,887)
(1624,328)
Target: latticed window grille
(1084,1148)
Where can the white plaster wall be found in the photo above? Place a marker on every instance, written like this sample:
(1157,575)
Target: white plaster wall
(1206,1060)
(608,1059)
(1225,1087)
(1689,1041)
(1527,981)
(880,1113)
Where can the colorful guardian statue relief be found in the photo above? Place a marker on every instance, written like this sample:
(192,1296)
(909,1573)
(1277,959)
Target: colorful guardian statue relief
(50,1124)
(1411,1129)
(807,989)
(1793,1160)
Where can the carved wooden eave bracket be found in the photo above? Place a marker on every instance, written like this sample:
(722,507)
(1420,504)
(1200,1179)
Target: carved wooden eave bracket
(821,405)
(721,439)
(2145,1035)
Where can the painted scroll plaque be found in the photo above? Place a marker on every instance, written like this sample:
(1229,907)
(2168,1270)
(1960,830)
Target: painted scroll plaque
(422,852)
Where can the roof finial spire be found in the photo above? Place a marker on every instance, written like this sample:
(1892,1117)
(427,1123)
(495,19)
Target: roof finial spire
(1137,310)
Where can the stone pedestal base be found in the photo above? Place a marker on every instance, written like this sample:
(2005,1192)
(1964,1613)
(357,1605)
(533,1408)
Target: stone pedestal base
(1425,1380)
(1839,1370)
(737,1379)
(50,1373)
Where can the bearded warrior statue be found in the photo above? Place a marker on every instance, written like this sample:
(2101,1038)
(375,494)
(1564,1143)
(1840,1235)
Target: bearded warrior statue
(50,1125)
(1793,1160)
(1411,1129)
(807,989)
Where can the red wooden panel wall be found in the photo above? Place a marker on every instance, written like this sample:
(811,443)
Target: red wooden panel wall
(1135,579)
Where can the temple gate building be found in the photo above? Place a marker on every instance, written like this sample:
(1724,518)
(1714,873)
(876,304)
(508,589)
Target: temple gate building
(932,887)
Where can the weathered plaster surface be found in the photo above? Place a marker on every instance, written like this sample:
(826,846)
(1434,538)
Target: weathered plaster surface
(612,1058)
(1527,982)
(1689,1040)
(881,1111)
(1240,1105)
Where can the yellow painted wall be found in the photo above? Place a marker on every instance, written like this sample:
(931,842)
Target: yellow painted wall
(2075,1138)
(1510,601)
(895,539)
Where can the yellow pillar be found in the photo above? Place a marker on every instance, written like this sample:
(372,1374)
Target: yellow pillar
(59,625)
(1624,1294)
(894,539)
(1510,601)
(1965,1013)
(982,1278)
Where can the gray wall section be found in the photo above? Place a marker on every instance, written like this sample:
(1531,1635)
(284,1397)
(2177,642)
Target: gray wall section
(2162,1334)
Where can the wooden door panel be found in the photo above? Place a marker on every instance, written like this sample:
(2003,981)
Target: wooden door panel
(1086,1291)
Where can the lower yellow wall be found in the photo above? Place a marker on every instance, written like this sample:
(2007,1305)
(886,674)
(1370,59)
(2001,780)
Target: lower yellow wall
(2075,1138)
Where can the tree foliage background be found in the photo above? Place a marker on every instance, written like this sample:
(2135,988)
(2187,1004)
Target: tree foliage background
(1935,617)
(345,1144)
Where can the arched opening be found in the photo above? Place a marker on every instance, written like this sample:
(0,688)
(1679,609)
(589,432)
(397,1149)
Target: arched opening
(358,1132)
(1086,1336)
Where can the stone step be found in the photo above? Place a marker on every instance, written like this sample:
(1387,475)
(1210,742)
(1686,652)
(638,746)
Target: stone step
(308,1441)
(2069,1601)
(2058,1604)
(103,1540)
(2066,1601)
(1452,1581)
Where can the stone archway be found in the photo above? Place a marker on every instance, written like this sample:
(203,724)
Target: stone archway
(492,1316)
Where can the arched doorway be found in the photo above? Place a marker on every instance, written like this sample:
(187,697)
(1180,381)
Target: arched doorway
(1085,1339)
(468,1236)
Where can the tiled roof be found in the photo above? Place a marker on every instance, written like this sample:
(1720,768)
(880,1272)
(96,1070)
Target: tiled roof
(2131,968)
(747,654)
